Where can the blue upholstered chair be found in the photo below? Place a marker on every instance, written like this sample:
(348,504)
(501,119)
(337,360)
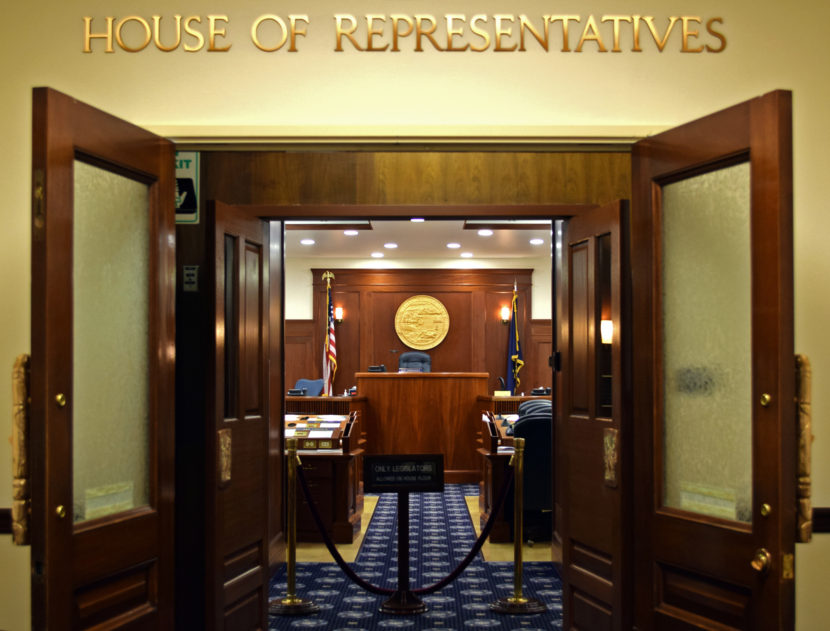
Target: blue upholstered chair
(536,427)
(534,405)
(311,387)
(414,361)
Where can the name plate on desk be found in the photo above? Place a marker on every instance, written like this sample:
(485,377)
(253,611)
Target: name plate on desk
(403,473)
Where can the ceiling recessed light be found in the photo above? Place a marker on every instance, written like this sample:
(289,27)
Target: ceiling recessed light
(466,255)
(377,255)
(351,233)
(390,246)
(417,220)
(485,232)
(453,246)
(537,241)
(307,242)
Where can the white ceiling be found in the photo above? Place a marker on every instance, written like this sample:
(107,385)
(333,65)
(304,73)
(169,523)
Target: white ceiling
(426,240)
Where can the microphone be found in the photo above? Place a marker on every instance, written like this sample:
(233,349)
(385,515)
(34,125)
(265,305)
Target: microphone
(502,384)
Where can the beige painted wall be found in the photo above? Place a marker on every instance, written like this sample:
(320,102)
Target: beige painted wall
(317,92)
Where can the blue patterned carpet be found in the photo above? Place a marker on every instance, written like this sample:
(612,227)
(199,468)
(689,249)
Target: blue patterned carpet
(441,534)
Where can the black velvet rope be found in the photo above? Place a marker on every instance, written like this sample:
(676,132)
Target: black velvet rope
(485,532)
(335,553)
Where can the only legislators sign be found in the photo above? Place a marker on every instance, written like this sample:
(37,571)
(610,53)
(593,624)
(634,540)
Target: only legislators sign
(403,473)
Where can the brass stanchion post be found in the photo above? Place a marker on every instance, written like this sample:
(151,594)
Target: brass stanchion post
(291,605)
(517,603)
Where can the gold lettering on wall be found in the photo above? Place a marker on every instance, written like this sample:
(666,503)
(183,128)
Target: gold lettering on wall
(716,34)
(214,32)
(397,32)
(89,35)
(145,27)
(283,37)
(592,36)
(340,32)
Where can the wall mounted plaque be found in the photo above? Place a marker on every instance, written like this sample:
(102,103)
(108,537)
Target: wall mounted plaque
(422,322)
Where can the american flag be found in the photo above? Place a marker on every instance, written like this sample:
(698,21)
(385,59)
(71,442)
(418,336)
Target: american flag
(330,351)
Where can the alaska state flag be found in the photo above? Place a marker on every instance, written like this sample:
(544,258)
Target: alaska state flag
(514,349)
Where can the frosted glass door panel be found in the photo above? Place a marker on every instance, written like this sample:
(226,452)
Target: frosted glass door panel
(707,352)
(110,402)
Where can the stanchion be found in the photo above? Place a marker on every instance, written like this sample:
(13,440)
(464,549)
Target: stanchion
(403,601)
(291,604)
(517,603)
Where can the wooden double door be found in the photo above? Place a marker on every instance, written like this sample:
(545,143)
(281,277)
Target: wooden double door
(676,435)
(118,514)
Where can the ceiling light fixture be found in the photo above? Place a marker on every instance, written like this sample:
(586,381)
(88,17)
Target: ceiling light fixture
(307,242)
(453,246)
(417,220)
(485,232)
(377,255)
(537,241)
(351,233)
(390,245)
(466,255)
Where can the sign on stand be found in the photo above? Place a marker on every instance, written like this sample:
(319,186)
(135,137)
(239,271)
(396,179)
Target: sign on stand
(398,473)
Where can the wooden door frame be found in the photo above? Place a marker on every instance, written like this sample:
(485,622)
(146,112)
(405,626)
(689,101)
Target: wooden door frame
(285,212)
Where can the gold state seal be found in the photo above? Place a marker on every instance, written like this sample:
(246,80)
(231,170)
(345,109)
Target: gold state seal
(422,322)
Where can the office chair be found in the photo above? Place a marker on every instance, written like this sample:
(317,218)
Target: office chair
(536,429)
(311,387)
(414,361)
(534,405)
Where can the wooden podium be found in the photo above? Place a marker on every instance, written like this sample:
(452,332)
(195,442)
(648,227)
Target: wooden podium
(425,412)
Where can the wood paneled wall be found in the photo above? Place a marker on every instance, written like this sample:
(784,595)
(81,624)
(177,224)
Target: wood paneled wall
(476,341)
(416,177)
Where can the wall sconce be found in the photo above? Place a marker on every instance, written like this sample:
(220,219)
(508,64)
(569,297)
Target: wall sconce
(606,331)
(338,314)
(505,315)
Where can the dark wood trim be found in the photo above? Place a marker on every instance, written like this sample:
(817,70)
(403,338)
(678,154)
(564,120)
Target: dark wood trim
(821,519)
(5,521)
(447,211)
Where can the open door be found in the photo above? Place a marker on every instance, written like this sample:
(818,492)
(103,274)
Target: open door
(102,442)
(593,465)
(237,491)
(715,451)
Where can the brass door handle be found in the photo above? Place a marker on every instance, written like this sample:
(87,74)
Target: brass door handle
(761,561)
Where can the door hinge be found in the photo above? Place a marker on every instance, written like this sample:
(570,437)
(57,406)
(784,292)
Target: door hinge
(788,566)
(804,508)
(21,488)
(38,204)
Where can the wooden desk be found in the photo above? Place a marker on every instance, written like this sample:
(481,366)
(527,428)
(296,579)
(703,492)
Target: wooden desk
(425,412)
(333,472)
(505,405)
(324,405)
(495,469)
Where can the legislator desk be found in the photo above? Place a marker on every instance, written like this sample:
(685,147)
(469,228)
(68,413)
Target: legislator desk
(495,449)
(330,448)
(505,405)
(425,412)
(325,405)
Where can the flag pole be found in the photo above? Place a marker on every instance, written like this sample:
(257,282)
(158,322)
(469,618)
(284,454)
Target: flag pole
(328,369)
